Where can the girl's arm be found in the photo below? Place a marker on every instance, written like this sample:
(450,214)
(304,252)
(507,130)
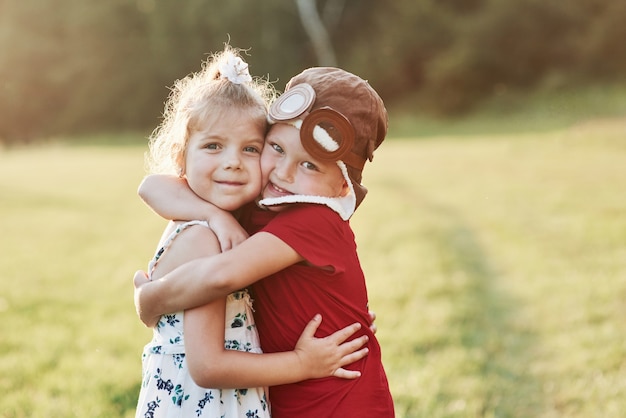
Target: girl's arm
(172,294)
(204,280)
(171,198)
(218,367)
(211,365)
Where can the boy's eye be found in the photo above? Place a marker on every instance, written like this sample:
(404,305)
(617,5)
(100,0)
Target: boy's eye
(212,146)
(276,147)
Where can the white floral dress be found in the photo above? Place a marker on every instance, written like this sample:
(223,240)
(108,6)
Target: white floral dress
(168,390)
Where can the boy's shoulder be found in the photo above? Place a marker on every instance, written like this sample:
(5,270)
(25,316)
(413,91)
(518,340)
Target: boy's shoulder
(310,217)
(308,209)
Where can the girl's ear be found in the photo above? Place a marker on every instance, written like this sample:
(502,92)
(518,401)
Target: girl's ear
(181,167)
(180,161)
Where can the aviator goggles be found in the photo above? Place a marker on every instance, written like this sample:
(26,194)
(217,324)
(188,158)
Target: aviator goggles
(325,133)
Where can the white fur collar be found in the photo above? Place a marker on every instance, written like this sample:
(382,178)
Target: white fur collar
(344,205)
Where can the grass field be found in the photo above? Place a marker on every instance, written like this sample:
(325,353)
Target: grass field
(496,265)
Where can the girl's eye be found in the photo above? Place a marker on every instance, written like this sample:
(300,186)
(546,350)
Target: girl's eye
(252,149)
(212,146)
(309,166)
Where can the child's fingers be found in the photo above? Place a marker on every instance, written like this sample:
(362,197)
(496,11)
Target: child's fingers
(373,326)
(354,356)
(140,278)
(225,244)
(347,374)
(372,315)
(312,326)
(354,345)
(343,334)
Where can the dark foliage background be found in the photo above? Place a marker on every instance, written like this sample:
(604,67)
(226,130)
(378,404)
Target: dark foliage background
(76,66)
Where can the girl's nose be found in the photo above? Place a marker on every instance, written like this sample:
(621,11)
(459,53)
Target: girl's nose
(231,161)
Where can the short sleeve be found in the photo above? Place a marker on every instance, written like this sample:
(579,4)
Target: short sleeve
(317,233)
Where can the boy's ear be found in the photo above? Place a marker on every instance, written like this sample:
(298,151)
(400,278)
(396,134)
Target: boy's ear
(345,189)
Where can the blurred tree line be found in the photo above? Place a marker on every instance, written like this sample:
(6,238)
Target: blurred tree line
(75,66)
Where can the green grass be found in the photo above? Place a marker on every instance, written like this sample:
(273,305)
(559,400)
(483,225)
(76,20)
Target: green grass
(508,111)
(496,265)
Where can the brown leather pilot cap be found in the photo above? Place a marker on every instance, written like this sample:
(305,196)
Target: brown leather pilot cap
(353,97)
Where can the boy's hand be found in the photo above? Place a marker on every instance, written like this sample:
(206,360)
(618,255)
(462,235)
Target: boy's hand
(325,357)
(140,279)
(373,326)
(227,230)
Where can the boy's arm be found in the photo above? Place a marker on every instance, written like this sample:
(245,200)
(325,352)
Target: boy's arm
(171,198)
(204,280)
(312,357)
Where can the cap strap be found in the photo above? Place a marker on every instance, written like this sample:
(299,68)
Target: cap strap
(354,160)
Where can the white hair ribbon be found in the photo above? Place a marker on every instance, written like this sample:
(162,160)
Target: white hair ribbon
(235,70)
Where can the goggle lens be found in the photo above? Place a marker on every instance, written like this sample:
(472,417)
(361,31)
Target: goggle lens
(339,136)
(335,137)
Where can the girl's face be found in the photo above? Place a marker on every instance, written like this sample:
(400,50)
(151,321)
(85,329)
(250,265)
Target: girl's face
(288,169)
(222,161)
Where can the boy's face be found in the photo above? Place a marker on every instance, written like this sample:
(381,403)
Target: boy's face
(288,169)
(222,162)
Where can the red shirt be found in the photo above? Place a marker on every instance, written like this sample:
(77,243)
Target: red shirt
(332,284)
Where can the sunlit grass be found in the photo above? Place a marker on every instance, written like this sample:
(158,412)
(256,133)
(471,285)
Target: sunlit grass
(74,231)
(498,268)
(496,265)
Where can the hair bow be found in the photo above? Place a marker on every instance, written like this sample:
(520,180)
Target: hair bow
(235,70)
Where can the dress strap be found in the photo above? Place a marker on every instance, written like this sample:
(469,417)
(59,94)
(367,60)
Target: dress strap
(166,244)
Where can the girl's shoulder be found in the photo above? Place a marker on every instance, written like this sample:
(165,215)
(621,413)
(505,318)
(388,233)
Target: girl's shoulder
(184,242)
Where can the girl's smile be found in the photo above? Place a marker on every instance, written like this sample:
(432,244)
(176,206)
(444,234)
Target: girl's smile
(222,159)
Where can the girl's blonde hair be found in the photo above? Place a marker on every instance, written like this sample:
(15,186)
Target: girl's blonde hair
(195,98)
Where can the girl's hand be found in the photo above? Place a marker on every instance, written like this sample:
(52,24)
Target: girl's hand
(227,230)
(324,357)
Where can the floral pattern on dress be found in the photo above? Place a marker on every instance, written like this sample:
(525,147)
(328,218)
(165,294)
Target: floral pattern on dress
(167,389)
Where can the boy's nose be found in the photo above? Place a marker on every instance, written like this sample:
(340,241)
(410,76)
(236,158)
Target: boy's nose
(284,172)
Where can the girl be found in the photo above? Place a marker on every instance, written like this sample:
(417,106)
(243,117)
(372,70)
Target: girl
(212,136)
